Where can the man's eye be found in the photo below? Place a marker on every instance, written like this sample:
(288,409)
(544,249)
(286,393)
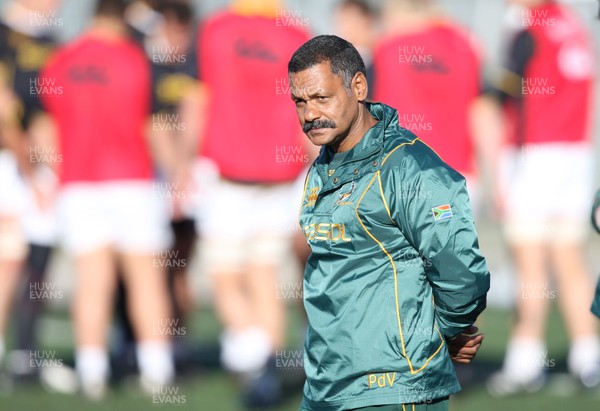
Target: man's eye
(299,103)
(322,98)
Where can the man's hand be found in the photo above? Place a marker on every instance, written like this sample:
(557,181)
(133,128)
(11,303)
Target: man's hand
(463,348)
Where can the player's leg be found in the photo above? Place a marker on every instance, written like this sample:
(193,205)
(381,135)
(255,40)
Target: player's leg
(86,236)
(522,369)
(225,262)
(262,277)
(153,323)
(179,287)
(262,387)
(526,231)
(124,346)
(13,246)
(575,289)
(29,308)
(224,224)
(143,237)
(525,352)
(273,209)
(274,243)
(230,300)
(39,224)
(12,253)
(179,291)
(575,292)
(92,314)
(573,278)
(532,301)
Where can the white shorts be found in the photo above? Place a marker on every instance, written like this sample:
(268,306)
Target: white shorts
(548,192)
(12,186)
(13,245)
(247,223)
(40,224)
(17,198)
(130,216)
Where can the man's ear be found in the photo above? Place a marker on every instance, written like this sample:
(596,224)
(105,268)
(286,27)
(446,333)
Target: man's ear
(360,88)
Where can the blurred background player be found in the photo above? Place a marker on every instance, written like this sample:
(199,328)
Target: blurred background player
(27,33)
(356,22)
(176,94)
(108,207)
(13,245)
(547,186)
(427,67)
(175,101)
(256,143)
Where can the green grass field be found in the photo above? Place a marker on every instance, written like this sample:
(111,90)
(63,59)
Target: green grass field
(210,389)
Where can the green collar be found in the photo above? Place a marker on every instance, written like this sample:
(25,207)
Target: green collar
(370,145)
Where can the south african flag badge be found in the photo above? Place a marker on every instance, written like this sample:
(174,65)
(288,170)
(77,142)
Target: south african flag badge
(441,212)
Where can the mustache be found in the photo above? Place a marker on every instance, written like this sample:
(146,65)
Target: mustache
(318,124)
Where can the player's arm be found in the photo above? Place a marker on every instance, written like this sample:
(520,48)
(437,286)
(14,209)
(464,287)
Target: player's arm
(162,147)
(510,84)
(487,122)
(43,133)
(436,217)
(157,131)
(457,271)
(12,137)
(193,113)
(488,130)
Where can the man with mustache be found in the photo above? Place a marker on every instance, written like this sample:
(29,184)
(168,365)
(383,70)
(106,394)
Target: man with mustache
(318,124)
(395,279)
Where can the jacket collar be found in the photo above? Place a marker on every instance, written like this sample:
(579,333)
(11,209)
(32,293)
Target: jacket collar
(370,147)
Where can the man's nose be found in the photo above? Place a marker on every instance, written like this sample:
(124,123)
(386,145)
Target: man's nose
(311,113)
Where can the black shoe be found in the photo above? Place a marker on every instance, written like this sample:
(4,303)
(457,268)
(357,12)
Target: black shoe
(262,389)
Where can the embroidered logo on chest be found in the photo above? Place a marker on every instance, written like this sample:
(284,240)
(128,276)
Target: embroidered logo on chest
(313,194)
(344,197)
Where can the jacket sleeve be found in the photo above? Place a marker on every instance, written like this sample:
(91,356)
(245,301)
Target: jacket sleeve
(434,213)
(596,303)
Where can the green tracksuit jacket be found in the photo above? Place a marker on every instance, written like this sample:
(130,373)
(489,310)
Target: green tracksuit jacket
(395,269)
